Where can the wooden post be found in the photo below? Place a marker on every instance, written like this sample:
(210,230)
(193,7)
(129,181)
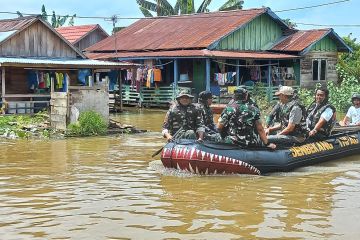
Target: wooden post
(176,75)
(120,90)
(269,81)
(237,76)
(3,84)
(208,74)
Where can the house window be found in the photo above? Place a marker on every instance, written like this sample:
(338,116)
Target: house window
(319,69)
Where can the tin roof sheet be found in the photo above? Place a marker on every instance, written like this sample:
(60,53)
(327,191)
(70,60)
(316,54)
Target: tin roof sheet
(193,54)
(75,33)
(300,40)
(15,24)
(5,61)
(177,32)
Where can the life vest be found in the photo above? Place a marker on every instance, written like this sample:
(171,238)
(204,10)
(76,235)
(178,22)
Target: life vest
(284,116)
(314,117)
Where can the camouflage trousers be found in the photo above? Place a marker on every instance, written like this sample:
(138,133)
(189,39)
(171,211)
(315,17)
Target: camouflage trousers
(213,137)
(242,142)
(186,134)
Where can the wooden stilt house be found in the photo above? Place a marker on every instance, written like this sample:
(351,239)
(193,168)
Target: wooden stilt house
(37,64)
(219,50)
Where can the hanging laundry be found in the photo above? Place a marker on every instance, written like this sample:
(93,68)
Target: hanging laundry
(157,75)
(82,75)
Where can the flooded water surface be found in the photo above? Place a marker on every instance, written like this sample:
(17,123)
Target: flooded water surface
(111,188)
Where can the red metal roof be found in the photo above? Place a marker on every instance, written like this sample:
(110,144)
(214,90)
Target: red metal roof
(300,40)
(7,25)
(193,53)
(177,32)
(75,33)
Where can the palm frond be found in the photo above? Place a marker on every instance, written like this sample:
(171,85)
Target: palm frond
(19,14)
(204,6)
(232,5)
(162,8)
(72,20)
(145,12)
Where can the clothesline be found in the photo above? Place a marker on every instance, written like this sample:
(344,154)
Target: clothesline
(158,65)
(252,65)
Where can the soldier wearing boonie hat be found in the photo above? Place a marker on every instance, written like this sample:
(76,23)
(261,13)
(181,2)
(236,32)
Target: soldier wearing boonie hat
(183,119)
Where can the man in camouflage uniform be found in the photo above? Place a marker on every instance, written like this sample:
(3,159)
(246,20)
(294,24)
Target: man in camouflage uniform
(240,122)
(183,119)
(204,102)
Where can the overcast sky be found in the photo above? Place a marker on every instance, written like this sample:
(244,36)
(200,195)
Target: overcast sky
(341,13)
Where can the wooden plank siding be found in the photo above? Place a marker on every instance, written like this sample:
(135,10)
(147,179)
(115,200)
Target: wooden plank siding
(326,44)
(258,34)
(306,68)
(36,41)
(90,39)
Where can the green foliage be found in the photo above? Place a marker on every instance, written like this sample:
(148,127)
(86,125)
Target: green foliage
(164,8)
(306,96)
(289,23)
(340,94)
(56,20)
(23,126)
(350,62)
(90,123)
(259,94)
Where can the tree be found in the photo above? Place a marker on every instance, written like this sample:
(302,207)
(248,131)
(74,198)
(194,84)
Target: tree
(290,23)
(56,21)
(350,62)
(164,8)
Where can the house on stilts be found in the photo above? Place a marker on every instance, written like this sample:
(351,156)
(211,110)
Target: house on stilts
(40,69)
(218,51)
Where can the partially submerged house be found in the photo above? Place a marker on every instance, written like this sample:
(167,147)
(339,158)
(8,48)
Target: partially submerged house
(219,50)
(39,67)
(83,36)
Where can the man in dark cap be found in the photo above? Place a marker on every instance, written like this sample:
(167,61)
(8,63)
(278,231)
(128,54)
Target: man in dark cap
(184,119)
(353,114)
(321,115)
(204,102)
(240,122)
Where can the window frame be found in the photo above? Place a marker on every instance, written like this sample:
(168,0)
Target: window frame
(319,68)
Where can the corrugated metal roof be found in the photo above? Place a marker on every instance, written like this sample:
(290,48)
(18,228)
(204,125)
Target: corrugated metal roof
(61,62)
(300,40)
(177,32)
(75,33)
(15,24)
(193,53)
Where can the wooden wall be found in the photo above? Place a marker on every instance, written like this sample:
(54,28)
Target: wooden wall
(259,34)
(306,68)
(91,39)
(37,41)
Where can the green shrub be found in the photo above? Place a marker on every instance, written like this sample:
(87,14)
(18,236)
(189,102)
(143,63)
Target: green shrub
(340,94)
(90,123)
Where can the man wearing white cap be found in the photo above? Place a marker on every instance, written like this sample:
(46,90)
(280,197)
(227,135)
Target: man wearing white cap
(292,115)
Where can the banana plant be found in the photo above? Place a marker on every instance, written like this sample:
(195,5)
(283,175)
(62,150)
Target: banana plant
(56,21)
(164,8)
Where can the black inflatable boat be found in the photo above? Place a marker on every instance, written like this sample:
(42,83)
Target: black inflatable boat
(216,158)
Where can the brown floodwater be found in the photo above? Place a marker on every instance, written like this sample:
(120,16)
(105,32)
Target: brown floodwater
(111,188)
